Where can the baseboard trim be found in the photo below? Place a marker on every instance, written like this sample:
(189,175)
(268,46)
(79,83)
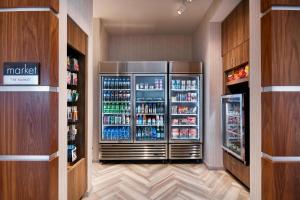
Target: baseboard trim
(212,167)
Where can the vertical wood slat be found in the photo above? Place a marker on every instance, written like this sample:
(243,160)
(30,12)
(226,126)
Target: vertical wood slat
(30,37)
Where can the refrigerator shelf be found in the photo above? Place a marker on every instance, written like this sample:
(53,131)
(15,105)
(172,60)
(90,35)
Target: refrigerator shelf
(150,101)
(186,90)
(184,114)
(116,102)
(116,89)
(151,114)
(147,125)
(149,90)
(125,125)
(184,102)
(127,113)
(184,125)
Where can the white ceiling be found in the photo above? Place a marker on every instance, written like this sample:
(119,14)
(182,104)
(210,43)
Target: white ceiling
(149,16)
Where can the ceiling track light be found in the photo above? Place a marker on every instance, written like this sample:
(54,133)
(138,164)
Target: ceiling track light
(183,7)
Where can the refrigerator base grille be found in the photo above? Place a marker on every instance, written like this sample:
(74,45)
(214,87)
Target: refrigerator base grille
(133,152)
(185,151)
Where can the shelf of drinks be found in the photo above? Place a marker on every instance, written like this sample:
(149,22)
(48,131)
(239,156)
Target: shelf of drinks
(149,90)
(116,101)
(184,138)
(149,125)
(184,90)
(192,114)
(123,113)
(151,114)
(184,102)
(184,125)
(116,89)
(117,125)
(150,101)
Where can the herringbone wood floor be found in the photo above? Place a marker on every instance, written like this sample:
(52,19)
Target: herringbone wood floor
(167,182)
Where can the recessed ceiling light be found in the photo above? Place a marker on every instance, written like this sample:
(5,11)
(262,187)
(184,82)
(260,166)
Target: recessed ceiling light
(181,9)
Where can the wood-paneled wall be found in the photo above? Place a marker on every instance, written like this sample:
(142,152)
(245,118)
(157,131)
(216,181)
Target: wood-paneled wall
(53,4)
(235,52)
(29,114)
(37,43)
(280,100)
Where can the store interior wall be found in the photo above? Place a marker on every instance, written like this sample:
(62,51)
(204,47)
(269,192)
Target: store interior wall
(255,100)
(81,11)
(150,47)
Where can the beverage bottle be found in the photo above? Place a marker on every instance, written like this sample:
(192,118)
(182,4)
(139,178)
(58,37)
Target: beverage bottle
(146,108)
(138,108)
(105,83)
(139,134)
(143,109)
(154,109)
(153,121)
(144,120)
(117,107)
(149,121)
(128,83)
(104,107)
(157,133)
(162,133)
(127,119)
(160,84)
(161,120)
(154,134)
(123,133)
(108,133)
(157,119)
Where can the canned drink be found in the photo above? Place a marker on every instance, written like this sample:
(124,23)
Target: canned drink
(178,84)
(183,84)
(193,85)
(173,84)
(188,85)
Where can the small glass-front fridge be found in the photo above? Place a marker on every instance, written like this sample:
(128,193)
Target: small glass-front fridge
(116,117)
(233,125)
(150,108)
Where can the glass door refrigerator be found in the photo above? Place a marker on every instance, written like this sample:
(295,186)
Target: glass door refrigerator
(185,110)
(133,111)
(116,115)
(150,108)
(233,125)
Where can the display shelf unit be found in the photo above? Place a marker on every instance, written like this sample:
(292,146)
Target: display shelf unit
(77,170)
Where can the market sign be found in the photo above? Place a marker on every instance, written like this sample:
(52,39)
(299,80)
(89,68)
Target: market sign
(21,73)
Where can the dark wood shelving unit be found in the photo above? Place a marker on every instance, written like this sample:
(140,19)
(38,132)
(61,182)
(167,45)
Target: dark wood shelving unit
(77,170)
(238,81)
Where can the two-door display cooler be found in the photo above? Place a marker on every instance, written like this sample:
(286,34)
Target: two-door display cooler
(133,113)
(185,110)
(233,125)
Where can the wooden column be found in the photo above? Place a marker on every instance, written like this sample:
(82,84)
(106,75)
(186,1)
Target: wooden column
(280,27)
(29,114)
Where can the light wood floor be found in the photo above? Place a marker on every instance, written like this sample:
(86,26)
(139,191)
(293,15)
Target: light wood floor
(167,182)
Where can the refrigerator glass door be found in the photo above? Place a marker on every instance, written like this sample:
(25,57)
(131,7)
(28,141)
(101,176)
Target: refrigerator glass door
(233,125)
(116,119)
(150,108)
(184,111)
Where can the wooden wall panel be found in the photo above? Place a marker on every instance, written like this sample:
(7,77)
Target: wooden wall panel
(53,4)
(280,119)
(280,180)
(76,37)
(77,180)
(266,4)
(30,37)
(280,48)
(28,123)
(237,168)
(29,180)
